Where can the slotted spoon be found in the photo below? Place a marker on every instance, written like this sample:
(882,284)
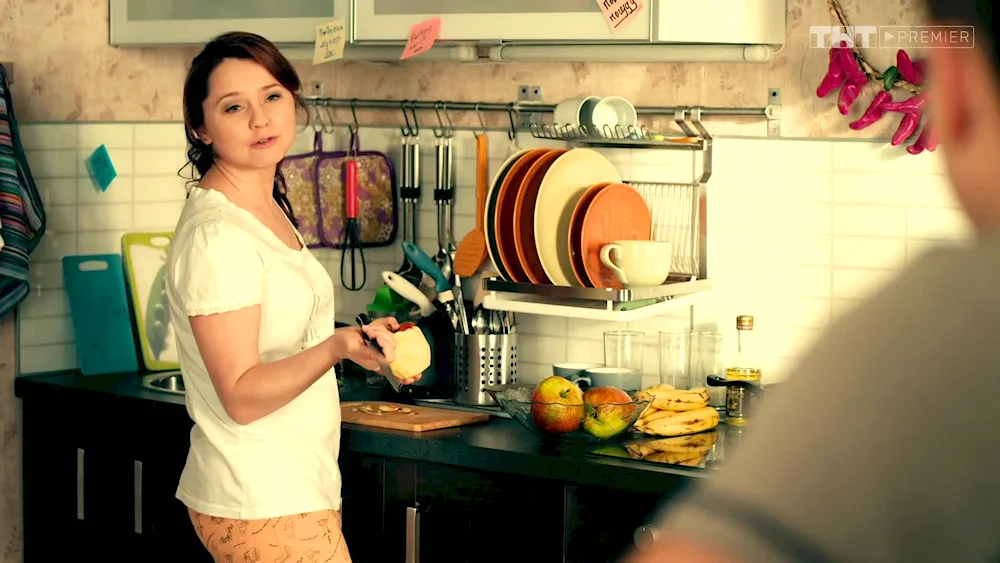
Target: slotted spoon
(471,252)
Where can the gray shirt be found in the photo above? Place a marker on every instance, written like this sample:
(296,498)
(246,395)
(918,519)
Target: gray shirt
(884,444)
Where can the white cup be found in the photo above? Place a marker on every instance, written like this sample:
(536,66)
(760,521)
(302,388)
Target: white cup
(612,117)
(638,263)
(574,111)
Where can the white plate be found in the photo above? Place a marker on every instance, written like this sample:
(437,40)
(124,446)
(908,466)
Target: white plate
(564,183)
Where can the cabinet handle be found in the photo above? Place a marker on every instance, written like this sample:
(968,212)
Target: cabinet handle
(137,497)
(412,535)
(645,536)
(79,483)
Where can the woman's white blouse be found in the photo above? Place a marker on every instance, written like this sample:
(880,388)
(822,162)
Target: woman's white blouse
(223,259)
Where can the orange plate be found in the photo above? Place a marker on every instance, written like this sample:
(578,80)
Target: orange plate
(576,230)
(524,217)
(504,216)
(617,212)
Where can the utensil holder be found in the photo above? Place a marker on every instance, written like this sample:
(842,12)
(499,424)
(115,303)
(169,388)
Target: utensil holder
(481,361)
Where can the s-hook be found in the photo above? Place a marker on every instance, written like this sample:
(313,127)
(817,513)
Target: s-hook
(353,129)
(410,129)
(443,131)
(512,133)
(482,123)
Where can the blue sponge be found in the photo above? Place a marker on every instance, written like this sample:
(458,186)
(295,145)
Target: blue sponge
(101,169)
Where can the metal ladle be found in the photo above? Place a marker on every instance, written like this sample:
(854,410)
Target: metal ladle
(444,192)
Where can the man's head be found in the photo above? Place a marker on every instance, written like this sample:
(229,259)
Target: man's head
(965,108)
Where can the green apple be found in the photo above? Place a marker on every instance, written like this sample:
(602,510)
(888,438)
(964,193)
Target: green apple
(608,411)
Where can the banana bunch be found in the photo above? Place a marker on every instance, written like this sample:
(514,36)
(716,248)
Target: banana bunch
(674,412)
(691,450)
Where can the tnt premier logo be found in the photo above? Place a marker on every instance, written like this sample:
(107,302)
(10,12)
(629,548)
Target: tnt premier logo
(893,36)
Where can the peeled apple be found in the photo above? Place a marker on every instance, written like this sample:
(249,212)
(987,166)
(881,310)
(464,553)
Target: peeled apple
(413,352)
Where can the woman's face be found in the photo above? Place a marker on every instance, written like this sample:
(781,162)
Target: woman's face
(249,116)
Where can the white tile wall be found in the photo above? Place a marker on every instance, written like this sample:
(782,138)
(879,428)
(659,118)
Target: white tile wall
(798,230)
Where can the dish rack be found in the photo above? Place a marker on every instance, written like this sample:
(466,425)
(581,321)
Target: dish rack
(677,213)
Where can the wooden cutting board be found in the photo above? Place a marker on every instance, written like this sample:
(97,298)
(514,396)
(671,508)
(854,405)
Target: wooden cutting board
(394,416)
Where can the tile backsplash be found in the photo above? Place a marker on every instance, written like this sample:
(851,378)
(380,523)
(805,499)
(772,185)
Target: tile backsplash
(798,230)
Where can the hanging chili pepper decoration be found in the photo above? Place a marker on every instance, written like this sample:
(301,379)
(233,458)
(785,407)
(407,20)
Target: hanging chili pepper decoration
(834,78)
(909,105)
(907,126)
(851,67)
(848,94)
(889,78)
(907,69)
(856,79)
(927,140)
(874,112)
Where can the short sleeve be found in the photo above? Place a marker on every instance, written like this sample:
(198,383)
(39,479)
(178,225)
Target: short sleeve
(214,268)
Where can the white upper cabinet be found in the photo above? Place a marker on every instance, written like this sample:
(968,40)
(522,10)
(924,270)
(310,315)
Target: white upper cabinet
(565,21)
(178,22)
(740,22)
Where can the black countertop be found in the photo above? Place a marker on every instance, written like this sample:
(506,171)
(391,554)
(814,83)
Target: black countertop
(500,445)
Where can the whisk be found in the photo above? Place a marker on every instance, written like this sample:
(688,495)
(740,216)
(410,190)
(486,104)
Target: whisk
(352,232)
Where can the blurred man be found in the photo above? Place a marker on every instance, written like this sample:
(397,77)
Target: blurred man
(885,446)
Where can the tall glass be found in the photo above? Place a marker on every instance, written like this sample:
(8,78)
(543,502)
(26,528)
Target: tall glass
(676,358)
(623,349)
(711,361)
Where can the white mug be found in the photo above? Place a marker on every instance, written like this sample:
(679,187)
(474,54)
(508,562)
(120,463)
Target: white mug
(638,263)
(574,111)
(613,117)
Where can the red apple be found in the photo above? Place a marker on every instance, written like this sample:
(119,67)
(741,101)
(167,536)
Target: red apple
(557,405)
(608,411)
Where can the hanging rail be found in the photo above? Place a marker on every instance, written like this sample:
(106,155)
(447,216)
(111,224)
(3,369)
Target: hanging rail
(522,107)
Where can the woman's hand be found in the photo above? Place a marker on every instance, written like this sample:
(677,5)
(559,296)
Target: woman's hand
(349,344)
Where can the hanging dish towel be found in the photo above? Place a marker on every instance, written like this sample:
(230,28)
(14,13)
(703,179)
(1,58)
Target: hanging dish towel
(376,196)
(22,217)
(302,190)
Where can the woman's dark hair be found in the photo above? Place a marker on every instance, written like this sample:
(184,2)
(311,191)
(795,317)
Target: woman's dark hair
(233,45)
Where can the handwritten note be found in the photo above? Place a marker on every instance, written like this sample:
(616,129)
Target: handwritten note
(620,13)
(330,39)
(422,38)
(102,170)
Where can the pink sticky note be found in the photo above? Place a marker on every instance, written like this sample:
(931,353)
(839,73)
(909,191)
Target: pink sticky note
(620,13)
(422,38)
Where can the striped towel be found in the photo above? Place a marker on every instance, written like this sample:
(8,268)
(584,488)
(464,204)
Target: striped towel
(22,217)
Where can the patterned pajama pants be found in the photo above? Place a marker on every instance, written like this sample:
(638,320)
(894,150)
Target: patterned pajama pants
(314,537)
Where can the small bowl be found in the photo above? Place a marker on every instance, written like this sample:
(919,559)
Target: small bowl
(575,369)
(515,400)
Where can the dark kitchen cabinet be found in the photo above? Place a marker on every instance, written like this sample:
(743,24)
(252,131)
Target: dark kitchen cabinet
(101,469)
(601,522)
(437,512)
(99,479)
(363,506)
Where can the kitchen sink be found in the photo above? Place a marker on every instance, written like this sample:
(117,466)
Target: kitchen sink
(165,382)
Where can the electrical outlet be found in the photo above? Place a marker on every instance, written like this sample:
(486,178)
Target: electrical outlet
(316,89)
(773,112)
(529,93)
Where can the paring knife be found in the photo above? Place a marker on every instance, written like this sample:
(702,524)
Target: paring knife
(364,320)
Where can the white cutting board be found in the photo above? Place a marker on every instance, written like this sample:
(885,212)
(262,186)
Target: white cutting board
(145,256)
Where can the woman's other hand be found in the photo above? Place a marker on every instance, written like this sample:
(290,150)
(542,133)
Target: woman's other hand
(349,343)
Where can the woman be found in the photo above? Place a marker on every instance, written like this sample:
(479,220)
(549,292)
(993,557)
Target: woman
(253,314)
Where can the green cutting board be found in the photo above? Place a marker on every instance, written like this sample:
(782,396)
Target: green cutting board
(145,256)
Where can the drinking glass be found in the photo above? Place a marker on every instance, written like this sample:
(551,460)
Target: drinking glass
(623,349)
(676,358)
(710,361)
